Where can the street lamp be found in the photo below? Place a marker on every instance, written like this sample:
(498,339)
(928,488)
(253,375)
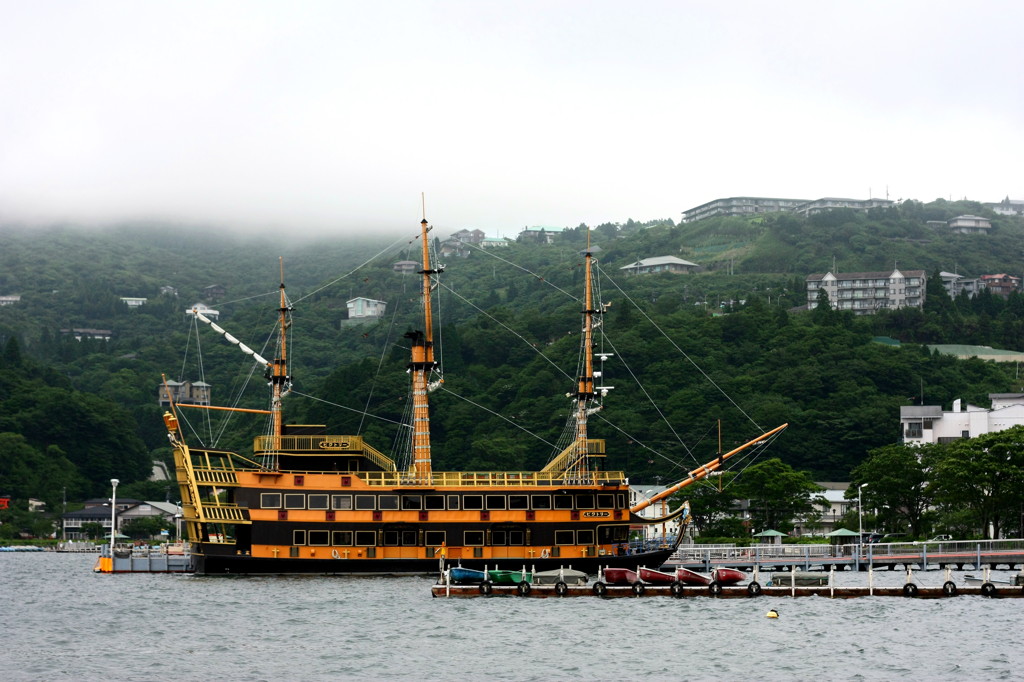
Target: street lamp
(113,519)
(860,514)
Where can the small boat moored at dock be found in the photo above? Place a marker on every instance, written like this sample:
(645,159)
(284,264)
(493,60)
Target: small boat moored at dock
(688,577)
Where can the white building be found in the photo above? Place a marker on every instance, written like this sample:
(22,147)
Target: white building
(659,264)
(863,293)
(365,309)
(654,532)
(206,311)
(930,424)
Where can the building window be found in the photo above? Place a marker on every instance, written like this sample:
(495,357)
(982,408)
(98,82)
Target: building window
(605,501)
(433,502)
(412,502)
(585,537)
(453,501)
(541,501)
(473,502)
(518,501)
(366,538)
(434,538)
(913,430)
(496,502)
(563,501)
(387,502)
(365,503)
(585,502)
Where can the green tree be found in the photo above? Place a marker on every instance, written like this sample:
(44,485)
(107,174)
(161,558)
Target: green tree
(145,527)
(896,487)
(777,494)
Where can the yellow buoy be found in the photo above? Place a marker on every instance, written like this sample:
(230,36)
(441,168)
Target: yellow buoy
(772,614)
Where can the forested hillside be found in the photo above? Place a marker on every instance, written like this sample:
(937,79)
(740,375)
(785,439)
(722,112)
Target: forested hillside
(721,344)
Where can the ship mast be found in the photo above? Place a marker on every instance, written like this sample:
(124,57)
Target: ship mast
(279,379)
(579,465)
(420,366)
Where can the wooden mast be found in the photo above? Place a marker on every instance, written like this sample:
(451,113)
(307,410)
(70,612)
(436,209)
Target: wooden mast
(580,465)
(420,366)
(279,378)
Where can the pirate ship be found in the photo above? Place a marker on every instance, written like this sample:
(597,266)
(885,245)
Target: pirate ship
(306,501)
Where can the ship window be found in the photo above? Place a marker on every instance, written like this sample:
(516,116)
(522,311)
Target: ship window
(409,538)
(366,502)
(342,538)
(319,502)
(341,502)
(585,502)
(518,501)
(498,537)
(387,502)
(434,538)
(564,537)
(298,537)
(270,500)
(434,502)
(540,501)
(473,538)
(366,538)
(453,501)
(473,502)
(622,501)
(563,501)
(496,502)
(515,537)
(319,538)
(605,501)
(391,538)
(412,502)
(609,534)
(294,501)
(585,537)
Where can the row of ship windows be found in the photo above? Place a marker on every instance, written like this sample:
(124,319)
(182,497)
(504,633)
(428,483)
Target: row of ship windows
(431,538)
(439,502)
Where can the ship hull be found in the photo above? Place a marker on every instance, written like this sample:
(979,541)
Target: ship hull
(228,564)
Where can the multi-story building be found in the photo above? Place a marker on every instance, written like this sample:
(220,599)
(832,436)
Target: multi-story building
(740,206)
(969,224)
(863,293)
(183,392)
(366,309)
(809,208)
(930,424)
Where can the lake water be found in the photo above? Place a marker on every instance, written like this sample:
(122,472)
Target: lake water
(64,622)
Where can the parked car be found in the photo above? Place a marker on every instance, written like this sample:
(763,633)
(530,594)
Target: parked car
(941,538)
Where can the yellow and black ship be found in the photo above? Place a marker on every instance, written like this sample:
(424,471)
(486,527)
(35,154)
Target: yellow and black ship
(306,501)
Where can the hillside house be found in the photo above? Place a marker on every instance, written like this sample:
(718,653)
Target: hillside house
(365,309)
(969,224)
(183,392)
(656,264)
(206,310)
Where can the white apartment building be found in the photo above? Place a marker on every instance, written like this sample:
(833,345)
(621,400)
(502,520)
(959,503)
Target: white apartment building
(930,424)
(866,292)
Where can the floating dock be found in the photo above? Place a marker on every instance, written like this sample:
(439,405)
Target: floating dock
(152,561)
(914,591)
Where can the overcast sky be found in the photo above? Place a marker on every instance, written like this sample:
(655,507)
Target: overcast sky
(335,116)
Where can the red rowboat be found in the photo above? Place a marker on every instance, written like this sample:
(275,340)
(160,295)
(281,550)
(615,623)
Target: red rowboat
(649,575)
(728,576)
(619,576)
(685,575)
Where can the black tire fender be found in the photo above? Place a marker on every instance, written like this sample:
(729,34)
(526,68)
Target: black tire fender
(523,588)
(988,589)
(715,587)
(600,589)
(949,588)
(486,587)
(638,588)
(677,589)
(561,589)
(910,590)
(754,589)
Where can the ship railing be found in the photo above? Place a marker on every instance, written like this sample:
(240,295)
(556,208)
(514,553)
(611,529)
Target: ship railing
(322,444)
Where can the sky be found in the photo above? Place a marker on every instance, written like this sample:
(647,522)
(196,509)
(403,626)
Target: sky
(343,117)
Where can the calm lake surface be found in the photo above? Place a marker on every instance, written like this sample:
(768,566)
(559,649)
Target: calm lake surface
(64,622)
